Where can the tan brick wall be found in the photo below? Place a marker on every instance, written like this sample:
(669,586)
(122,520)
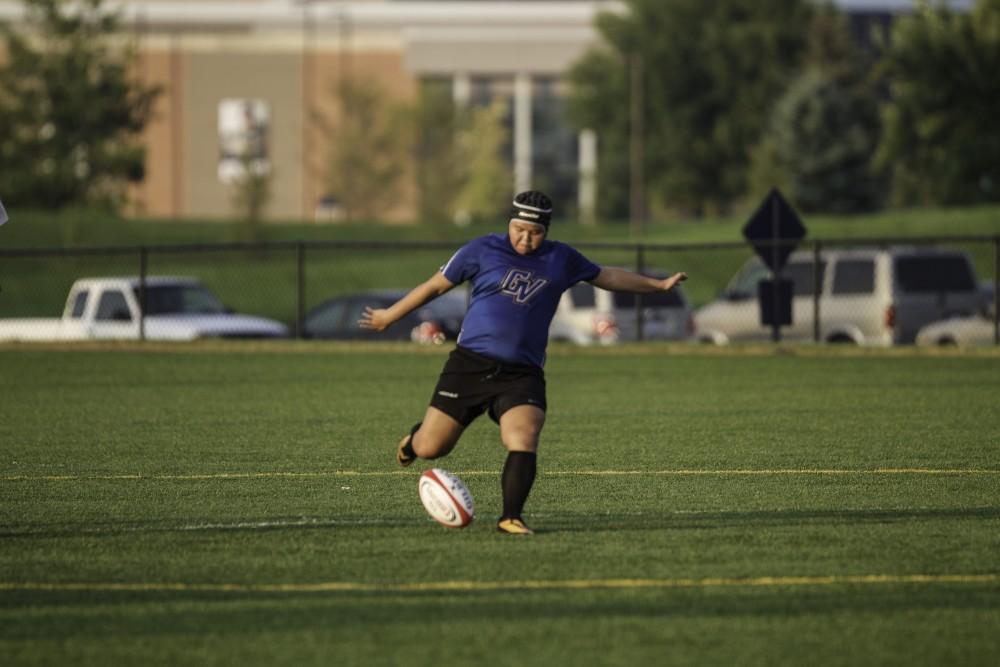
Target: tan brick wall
(213,77)
(182,144)
(161,195)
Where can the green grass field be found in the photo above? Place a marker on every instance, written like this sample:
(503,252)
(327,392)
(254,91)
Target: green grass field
(239,504)
(92,228)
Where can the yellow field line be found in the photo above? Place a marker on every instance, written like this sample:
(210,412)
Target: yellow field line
(474,473)
(786,471)
(526,585)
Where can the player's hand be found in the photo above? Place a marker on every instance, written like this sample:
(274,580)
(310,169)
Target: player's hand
(376,319)
(672,281)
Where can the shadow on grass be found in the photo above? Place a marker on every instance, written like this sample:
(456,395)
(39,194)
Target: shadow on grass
(590,523)
(109,615)
(97,529)
(545,523)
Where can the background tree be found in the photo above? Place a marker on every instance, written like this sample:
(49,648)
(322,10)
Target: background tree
(369,151)
(824,130)
(251,193)
(598,101)
(487,186)
(711,71)
(941,143)
(69,111)
(438,168)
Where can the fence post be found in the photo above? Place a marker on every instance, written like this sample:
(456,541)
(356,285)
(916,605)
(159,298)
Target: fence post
(640,265)
(300,288)
(143,269)
(817,288)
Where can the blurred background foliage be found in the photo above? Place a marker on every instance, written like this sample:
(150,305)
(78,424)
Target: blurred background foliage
(742,95)
(941,144)
(737,96)
(69,111)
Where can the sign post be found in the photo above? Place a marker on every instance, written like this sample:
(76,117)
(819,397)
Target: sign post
(774,230)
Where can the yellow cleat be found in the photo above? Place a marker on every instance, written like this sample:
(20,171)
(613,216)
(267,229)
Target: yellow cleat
(513,527)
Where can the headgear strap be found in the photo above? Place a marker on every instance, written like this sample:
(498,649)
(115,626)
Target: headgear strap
(538,216)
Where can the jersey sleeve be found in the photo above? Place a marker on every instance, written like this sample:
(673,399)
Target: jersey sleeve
(579,268)
(464,264)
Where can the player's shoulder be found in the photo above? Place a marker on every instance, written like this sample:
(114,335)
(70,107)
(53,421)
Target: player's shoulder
(560,248)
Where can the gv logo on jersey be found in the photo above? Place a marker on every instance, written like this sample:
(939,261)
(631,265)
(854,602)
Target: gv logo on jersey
(522,285)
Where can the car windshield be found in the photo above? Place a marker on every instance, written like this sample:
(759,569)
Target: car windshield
(181,300)
(745,282)
(800,273)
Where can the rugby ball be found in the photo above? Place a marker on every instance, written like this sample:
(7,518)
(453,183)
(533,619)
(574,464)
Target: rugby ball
(446,498)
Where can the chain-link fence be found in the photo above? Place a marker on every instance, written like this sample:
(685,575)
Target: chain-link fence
(872,292)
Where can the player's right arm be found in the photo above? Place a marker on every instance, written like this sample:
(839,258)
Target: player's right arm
(380,319)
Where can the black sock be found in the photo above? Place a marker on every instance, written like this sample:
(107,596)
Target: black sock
(408,447)
(518,476)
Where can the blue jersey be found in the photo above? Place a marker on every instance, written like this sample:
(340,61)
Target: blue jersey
(514,297)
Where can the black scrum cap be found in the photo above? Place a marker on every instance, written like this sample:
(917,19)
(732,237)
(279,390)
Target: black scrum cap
(532,206)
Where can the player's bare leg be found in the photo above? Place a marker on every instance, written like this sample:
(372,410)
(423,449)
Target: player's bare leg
(520,428)
(433,438)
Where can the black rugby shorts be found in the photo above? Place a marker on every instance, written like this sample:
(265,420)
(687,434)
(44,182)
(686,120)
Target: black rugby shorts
(471,384)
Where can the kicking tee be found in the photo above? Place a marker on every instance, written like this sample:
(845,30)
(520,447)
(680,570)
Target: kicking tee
(514,297)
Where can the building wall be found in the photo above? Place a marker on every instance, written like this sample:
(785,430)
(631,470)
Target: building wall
(292,55)
(295,63)
(196,73)
(161,193)
(212,77)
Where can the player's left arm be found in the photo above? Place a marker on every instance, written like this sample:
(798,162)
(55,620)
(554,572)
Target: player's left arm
(623,280)
(380,319)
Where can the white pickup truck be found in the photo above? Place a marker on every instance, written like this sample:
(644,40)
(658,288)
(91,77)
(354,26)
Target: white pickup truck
(108,309)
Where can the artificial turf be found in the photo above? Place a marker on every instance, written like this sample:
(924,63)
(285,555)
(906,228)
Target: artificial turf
(221,504)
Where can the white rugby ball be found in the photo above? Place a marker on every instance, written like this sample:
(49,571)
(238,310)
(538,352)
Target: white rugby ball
(446,498)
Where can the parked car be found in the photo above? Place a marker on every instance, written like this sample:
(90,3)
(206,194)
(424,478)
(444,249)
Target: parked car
(177,308)
(435,322)
(867,296)
(589,315)
(973,330)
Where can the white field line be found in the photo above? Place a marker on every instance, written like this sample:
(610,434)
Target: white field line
(126,527)
(320,522)
(509,586)
(474,473)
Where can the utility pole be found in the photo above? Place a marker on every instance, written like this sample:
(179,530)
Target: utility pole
(637,187)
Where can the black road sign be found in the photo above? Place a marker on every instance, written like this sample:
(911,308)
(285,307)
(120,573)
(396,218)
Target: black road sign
(771,313)
(774,230)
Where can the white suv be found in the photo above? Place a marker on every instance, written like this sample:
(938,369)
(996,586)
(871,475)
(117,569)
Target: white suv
(589,315)
(867,296)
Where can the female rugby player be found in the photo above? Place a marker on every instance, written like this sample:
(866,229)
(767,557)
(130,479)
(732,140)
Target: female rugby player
(516,281)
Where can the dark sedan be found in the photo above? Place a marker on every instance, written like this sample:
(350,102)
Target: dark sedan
(435,322)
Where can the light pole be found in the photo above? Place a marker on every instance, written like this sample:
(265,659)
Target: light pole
(637,187)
